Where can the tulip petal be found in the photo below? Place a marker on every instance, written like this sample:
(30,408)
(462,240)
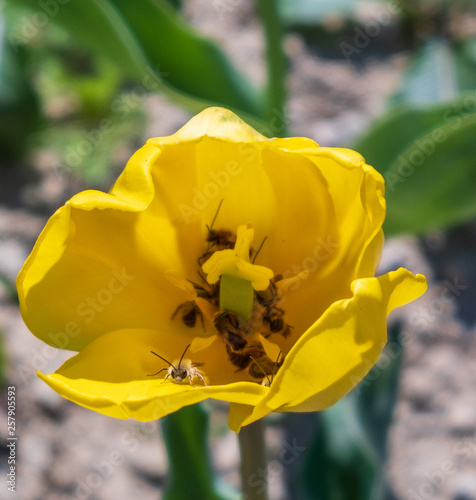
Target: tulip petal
(99,256)
(111,376)
(338,350)
(330,216)
(215,122)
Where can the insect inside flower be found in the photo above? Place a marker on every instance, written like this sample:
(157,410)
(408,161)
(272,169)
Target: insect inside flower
(264,369)
(189,309)
(180,369)
(259,315)
(217,239)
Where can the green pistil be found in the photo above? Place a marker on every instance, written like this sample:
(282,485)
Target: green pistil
(236,296)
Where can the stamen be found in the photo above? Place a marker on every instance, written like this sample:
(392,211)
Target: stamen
(283,285)
(236,262)
(180,282)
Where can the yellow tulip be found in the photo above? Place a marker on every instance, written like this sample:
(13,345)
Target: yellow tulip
(140,273)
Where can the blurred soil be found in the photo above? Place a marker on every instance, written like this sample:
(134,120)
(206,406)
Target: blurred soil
(69,452)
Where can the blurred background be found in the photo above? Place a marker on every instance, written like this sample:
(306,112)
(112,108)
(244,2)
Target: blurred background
(84,84)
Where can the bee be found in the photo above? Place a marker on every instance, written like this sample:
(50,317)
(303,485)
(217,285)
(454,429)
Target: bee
(273,316)
(270,297)
(221,239)
(232,329)
(190,310)
(217,239)
(180,370)
(262,367)
(243,358)
(239,359)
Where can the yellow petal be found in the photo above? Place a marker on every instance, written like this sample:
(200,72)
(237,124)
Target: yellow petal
(330,215)
(99,256)
(339,349)
(111,376)
(215,122)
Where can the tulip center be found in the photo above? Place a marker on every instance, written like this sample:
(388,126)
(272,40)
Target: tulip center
(247,308)
(241,300)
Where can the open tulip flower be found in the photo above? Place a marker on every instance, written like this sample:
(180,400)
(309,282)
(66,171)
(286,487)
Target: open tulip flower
(222,264)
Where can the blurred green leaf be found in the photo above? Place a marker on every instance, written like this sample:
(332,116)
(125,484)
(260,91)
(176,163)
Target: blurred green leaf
(88,149)
(75,82)
(10,288)
(19,107)
(176,4)
(339,464)
(155,46)
(185,434)
(465,60)
(185,59)
(428,159)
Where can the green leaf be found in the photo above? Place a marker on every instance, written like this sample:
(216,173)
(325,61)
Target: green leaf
(157,48)
(10,288)
(465,59)
(186,60)
(428,159)
(340,465)
(19,106)
(185,435)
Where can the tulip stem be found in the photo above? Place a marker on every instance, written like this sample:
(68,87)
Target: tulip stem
(254,478)
(276,67)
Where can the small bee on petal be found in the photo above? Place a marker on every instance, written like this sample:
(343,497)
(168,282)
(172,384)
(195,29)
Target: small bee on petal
(181,369)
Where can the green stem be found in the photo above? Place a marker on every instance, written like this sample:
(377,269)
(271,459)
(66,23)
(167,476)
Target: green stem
(185,434)
(253,461)
(276,66)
